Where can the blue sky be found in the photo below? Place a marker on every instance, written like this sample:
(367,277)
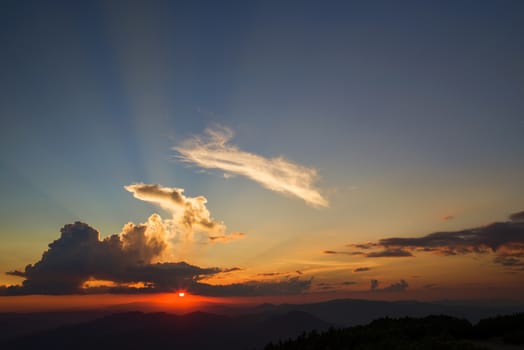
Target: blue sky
(409,112)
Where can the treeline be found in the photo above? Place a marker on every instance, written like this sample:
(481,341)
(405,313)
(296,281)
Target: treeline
(432,332)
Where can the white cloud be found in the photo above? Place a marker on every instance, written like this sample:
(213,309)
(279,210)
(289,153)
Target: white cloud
(190,214)
(212,151)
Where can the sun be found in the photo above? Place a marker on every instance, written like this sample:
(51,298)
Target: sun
(181,294)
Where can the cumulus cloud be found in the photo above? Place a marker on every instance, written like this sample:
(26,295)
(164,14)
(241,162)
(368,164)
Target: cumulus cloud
(504,239)
(399,286)
(189,213)
(213,151)
(129,258)
(79,254)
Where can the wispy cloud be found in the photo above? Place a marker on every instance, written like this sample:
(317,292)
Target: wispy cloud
(227,238)
(399,286)
(213,151)
(389,253)
(385,253)
(361,269)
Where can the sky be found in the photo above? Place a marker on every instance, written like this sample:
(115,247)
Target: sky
(262,148)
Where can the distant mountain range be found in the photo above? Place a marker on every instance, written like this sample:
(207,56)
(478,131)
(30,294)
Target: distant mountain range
(221,327)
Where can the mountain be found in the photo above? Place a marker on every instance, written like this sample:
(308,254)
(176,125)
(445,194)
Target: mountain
(431,332)
(198,330)
(246,327)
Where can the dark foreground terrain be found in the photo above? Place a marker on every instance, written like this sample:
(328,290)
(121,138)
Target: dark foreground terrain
(431,332)
(326,325)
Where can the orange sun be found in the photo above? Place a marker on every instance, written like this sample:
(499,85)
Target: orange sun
(181,294)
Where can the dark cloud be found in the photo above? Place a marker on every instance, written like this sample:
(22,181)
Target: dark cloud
(385,253)
(477,240)
(288,286)
(349,283)
(361,269)
(368,245)
(517,216)
(504,239)
(271,274)
(79,255)
(509,261)
(389,253)
(325,286)
(127,259)
(399,286)
(342,253)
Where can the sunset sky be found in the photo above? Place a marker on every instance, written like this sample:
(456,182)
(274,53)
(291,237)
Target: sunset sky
(258,148)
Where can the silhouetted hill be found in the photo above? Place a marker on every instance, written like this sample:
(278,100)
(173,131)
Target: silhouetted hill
(17,324)
(199,330)
(350,312)
(431,332)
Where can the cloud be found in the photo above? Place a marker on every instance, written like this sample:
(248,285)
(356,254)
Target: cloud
(227,238)
(367,245)
(389,253)
(213,151)
(448,218)
(126,259)
(504,239)
(386,253)
(333,252)
(399,286)
(325,286)
(287,286)
(189,213)
(271,274)
(361,269)
(349,283)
